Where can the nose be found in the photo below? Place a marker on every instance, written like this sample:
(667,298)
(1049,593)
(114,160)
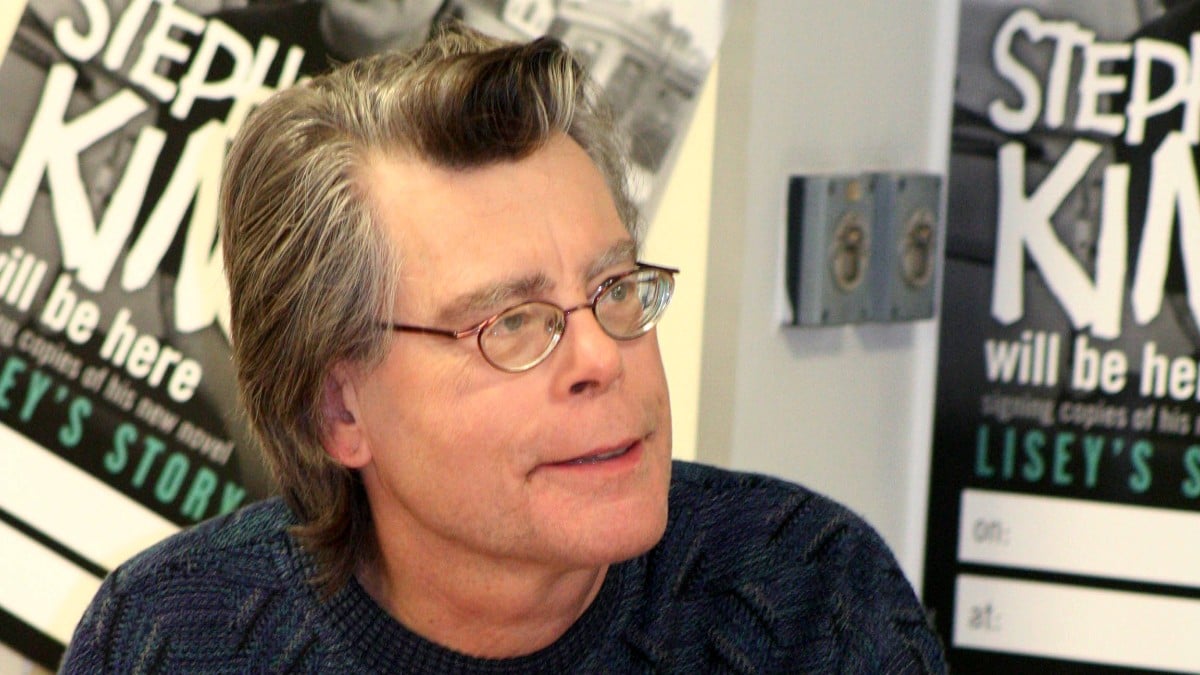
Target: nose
(590,359)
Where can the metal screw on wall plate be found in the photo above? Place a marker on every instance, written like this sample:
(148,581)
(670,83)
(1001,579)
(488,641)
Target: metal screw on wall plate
(916,255)
(851,251)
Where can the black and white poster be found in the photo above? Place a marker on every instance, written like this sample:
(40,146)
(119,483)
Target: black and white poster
(1065,487)
(118,416)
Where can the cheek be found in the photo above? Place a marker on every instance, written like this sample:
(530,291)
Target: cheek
(657,391)
(644,361)
(437,464)
(400,403)
(446,423)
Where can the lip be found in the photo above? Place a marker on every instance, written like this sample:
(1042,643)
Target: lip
(619,455)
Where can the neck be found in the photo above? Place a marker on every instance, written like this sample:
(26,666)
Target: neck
(491,611)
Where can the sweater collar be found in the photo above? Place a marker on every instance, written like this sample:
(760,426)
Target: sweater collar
(386,645)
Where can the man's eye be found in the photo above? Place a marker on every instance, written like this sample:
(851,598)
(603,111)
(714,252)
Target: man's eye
(513,322)
(619,291)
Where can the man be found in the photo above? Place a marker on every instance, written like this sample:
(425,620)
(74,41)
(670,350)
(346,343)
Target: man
(445,344)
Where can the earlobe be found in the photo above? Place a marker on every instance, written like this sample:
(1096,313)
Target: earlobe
(344,438)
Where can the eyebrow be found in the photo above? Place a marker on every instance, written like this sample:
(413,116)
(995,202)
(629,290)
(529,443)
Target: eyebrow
(504,293)
(495,296)
(624,251)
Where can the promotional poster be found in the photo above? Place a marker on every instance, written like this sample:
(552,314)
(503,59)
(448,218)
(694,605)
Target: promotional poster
(1065,487)
(118,415)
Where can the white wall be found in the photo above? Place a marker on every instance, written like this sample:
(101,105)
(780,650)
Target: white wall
(814,86)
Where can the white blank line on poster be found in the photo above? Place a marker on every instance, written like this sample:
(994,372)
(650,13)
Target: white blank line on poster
(73,507)
(1074,623)
(41,588)
(1072,536)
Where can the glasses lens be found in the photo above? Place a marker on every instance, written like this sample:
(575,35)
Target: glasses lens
(634,303)
(520,337)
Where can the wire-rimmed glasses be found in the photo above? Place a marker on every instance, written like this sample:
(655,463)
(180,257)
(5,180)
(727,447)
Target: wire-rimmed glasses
(626,306)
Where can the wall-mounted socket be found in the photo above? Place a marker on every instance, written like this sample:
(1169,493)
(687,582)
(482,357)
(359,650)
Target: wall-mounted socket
(862,247)
(906,213)
(829,255)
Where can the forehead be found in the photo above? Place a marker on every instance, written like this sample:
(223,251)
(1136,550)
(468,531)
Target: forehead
(550,213)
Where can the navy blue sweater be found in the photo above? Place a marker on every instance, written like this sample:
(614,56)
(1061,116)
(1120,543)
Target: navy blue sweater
(754,575)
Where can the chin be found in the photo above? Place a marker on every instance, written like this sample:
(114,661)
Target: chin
(628,536)
(636,546)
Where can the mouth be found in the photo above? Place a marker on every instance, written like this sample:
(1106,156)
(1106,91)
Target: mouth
(601,456)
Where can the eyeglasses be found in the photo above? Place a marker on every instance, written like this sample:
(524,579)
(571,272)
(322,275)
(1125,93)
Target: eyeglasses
(626,306)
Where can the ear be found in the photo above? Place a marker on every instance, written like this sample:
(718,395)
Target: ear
(344,440)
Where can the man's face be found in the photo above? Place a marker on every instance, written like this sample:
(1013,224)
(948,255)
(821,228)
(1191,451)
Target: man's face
(563,466)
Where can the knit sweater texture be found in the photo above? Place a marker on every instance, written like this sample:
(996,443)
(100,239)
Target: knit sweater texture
(753,575)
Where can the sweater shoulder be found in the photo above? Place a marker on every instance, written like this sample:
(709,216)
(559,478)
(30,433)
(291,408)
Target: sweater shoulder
(777,573)
(223,592)
(753,526)
(751,507)
(249,541)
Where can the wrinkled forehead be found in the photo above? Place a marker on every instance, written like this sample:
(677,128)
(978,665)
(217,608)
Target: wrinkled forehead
(553,191)
(550,214)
